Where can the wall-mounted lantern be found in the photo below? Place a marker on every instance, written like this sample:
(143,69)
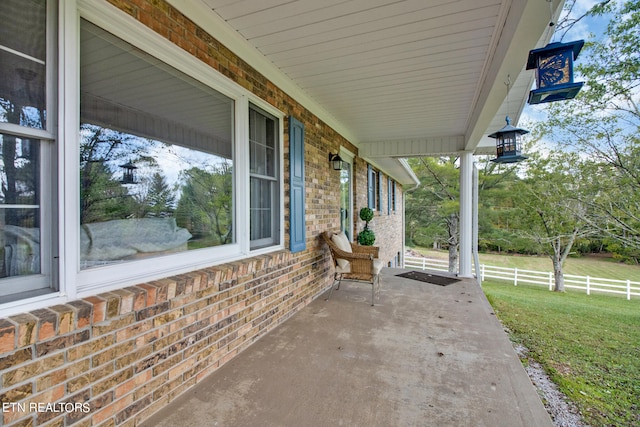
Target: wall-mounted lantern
(554,72)
(508,144)
(128,173)
(336,161)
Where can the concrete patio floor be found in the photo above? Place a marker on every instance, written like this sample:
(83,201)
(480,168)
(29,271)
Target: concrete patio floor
(424,355)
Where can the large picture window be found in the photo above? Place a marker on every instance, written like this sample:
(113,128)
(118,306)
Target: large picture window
(156,156)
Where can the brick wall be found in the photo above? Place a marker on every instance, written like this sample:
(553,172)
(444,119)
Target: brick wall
(115,358)
(388,228)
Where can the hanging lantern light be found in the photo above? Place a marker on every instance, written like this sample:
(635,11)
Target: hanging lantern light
(554,72)
(509,144)
(508,139)
(128,173)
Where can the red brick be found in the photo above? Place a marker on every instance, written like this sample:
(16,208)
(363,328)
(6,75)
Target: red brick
(32,369)
(205,316)
(99,308)
(83,313)
(66,318)
(113,304)
(151,291)
(7,336)
(47,323)
(27,325)
(139,297)
(126,300)
(133,383)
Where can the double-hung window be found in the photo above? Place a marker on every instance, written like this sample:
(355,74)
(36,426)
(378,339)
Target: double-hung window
(264,179)
(27,147)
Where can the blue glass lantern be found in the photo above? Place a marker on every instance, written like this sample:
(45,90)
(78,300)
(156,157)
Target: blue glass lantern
(509,144)
(554,72)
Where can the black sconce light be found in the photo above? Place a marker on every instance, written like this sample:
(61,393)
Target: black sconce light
(554,72)
(128,173)
(336,161)
(508,144)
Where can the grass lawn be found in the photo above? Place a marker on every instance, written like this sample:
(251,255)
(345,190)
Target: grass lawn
(589,345)
(584,266)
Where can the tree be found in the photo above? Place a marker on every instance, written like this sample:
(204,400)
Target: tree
(160,200)
(603,123)
(205,206)
(497,213)
(433,208)
(102,196)
(552,212)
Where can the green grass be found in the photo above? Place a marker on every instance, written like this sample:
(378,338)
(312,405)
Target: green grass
(589,345)
(583,266)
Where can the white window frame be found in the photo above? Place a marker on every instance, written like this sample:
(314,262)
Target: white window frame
(76,283)
(348,157)
(276,223)
(46,281)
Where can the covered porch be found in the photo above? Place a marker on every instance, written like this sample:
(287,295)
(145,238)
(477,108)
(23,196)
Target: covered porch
(397,79)
(423,355)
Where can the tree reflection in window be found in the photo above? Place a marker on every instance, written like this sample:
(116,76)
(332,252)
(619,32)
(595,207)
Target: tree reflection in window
(181,200)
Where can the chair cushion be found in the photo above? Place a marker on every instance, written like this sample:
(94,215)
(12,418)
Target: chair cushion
(343,270)
(377,266)
(342,242)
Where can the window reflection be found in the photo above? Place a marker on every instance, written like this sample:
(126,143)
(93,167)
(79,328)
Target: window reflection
(181,199)
(23,63)
(19,206)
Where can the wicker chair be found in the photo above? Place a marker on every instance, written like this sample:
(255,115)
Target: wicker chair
(354,262)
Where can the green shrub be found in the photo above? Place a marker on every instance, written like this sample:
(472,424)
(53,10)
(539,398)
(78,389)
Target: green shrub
(366,214)
(366,237)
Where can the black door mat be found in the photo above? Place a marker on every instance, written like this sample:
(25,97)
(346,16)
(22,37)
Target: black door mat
(434,279)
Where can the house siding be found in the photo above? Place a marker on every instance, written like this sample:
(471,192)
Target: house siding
(117,357)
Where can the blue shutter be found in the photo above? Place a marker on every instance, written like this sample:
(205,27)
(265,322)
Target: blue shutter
(380,184)
(371,188)
(297,225)
(394,196)
(389,199)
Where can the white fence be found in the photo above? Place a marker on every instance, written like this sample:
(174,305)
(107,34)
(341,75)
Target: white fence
(517,276)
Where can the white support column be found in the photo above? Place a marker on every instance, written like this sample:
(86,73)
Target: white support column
(474,238)
(466,214)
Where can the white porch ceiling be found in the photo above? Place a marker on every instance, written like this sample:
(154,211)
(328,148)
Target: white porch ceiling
(398,78)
